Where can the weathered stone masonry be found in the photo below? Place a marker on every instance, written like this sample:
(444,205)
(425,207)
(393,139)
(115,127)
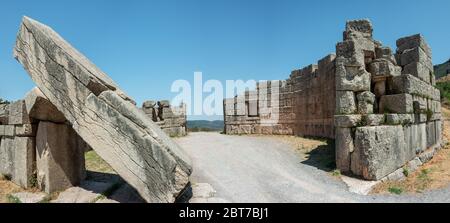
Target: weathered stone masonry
(382,108)
(171,119)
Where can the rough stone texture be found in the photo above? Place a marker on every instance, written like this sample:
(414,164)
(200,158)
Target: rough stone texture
(26,130)
(103,115)
(59,157)
(7,157)
(344,147)
(379,151)
(7,130)
(24,162)
(171,119)
(4,114)
(347,121)
(18,113)
(412,85)
(397,103)
(40,108)
(345,102)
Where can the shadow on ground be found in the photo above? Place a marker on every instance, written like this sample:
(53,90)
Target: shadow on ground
(322,157)
(119,190)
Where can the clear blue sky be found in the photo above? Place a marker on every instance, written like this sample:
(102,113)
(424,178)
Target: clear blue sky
(145,45)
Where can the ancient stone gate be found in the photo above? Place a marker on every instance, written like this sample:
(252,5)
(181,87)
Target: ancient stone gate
(381,107)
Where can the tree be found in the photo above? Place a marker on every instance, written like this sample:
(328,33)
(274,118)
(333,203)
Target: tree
(4,101)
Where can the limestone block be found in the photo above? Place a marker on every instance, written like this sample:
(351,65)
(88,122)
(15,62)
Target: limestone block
(411,42)
(164,104)
(407,83)
(415,55)
(18,114)
(60,158)
(7,130)
(414,164)
(382,68)
(347,121)
(253,108)
(420,118)
(431,134)
(103,115)
(352,79)
(358,28)
(24,161)
(366,100)
(415,139)
(345,102)
(419,70)
(167,113)
(385,53)
(149,104)
(399,119)
(398,103)
(420,104)
(434,106)
(438,124)
(4,114)
(374,119)
(7,156)
(26,130)
(380,150)
(344,146)
(396,175)
(40,108)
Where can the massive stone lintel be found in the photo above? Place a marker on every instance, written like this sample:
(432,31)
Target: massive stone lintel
(103,115)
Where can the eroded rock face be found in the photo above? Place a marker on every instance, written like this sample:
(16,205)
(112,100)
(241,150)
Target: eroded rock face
(103,115)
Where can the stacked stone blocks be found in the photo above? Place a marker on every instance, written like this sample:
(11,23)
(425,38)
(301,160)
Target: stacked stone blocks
(171,119)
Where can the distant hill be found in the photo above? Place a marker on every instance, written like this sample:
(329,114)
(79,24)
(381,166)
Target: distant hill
(442,70)
(205,126)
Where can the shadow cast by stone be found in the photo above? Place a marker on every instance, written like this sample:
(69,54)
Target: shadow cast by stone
(322,157)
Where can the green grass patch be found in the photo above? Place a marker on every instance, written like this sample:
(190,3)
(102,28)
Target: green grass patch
(12,199)
(395,190)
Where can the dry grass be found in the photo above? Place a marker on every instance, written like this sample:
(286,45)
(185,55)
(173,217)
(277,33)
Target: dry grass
(95,163)
(433,175)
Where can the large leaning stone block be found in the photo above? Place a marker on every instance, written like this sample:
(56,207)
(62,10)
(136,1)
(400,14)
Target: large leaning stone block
(419,70)
(59,157)
(380,151)
(136,148)
(40,108)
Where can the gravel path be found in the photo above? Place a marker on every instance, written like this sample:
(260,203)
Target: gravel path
(262,169)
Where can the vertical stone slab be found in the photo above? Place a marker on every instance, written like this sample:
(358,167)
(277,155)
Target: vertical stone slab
(18,114)
(60,157)
(24,162)
(7,156)
(344,148)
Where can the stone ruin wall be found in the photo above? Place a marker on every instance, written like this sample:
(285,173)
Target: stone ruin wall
(301,105)
(388,112)
(382,108)
(38,148)
(171,119)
